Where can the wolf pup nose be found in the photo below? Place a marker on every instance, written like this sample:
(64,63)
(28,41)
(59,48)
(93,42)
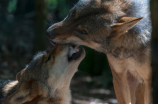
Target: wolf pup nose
(46,79)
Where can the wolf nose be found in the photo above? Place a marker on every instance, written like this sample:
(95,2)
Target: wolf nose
(50,34)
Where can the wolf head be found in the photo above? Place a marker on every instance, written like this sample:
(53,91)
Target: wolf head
(104,25)
(61,62)
(48,76)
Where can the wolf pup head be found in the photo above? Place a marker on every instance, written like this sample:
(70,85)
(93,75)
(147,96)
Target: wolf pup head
(47,78)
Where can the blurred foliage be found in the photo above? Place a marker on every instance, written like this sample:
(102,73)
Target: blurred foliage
(59,8)
(12,6)
(52,4)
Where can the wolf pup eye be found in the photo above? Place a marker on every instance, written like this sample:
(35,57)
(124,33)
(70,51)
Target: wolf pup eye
(48,58)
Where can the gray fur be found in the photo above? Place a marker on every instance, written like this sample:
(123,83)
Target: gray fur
(136,39)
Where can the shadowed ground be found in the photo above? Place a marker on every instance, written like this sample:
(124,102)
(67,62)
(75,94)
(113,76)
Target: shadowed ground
(85,91)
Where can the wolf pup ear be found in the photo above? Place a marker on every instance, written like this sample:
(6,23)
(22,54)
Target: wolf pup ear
(27,91)
(124,24)
(20,96)
(18,76)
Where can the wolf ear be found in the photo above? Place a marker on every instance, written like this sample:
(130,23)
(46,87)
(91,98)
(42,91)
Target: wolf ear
(20,96)
(18,76)
(27,91)
(124,24)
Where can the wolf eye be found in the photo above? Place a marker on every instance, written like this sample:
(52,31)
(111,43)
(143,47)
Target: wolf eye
(73,14)
(83,32)
(48,58)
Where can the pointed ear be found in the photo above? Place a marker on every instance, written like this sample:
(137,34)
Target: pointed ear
(18,76)
(8,87)
(26,92)
(20,95)
(124,24)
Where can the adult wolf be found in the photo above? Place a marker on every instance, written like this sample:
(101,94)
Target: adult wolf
(121,29)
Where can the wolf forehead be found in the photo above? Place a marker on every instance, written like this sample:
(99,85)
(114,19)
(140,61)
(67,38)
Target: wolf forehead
(98,8)
(137,8)
(39,54)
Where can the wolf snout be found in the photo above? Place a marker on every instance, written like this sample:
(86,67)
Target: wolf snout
(54,30)
(50,33)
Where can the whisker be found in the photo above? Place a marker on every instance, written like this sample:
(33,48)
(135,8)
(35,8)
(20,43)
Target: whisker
(50,16)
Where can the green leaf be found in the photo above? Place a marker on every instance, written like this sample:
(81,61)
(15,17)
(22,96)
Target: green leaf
(12,6)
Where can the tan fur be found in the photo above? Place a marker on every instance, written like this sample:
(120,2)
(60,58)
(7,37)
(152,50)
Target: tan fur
(116,28)
(132,80)
(124,24)
(45,80)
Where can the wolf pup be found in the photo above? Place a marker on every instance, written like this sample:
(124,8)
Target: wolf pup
(46,79)
(122,30)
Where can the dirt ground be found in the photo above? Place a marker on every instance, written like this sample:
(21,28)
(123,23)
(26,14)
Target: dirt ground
(84,92)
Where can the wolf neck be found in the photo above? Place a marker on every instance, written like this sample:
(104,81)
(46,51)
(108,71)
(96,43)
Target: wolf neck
(65,96)
(61,96)
(60,92)
(128,45)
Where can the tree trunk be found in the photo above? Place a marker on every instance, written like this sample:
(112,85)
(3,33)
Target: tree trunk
(154,17)
(40,25)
